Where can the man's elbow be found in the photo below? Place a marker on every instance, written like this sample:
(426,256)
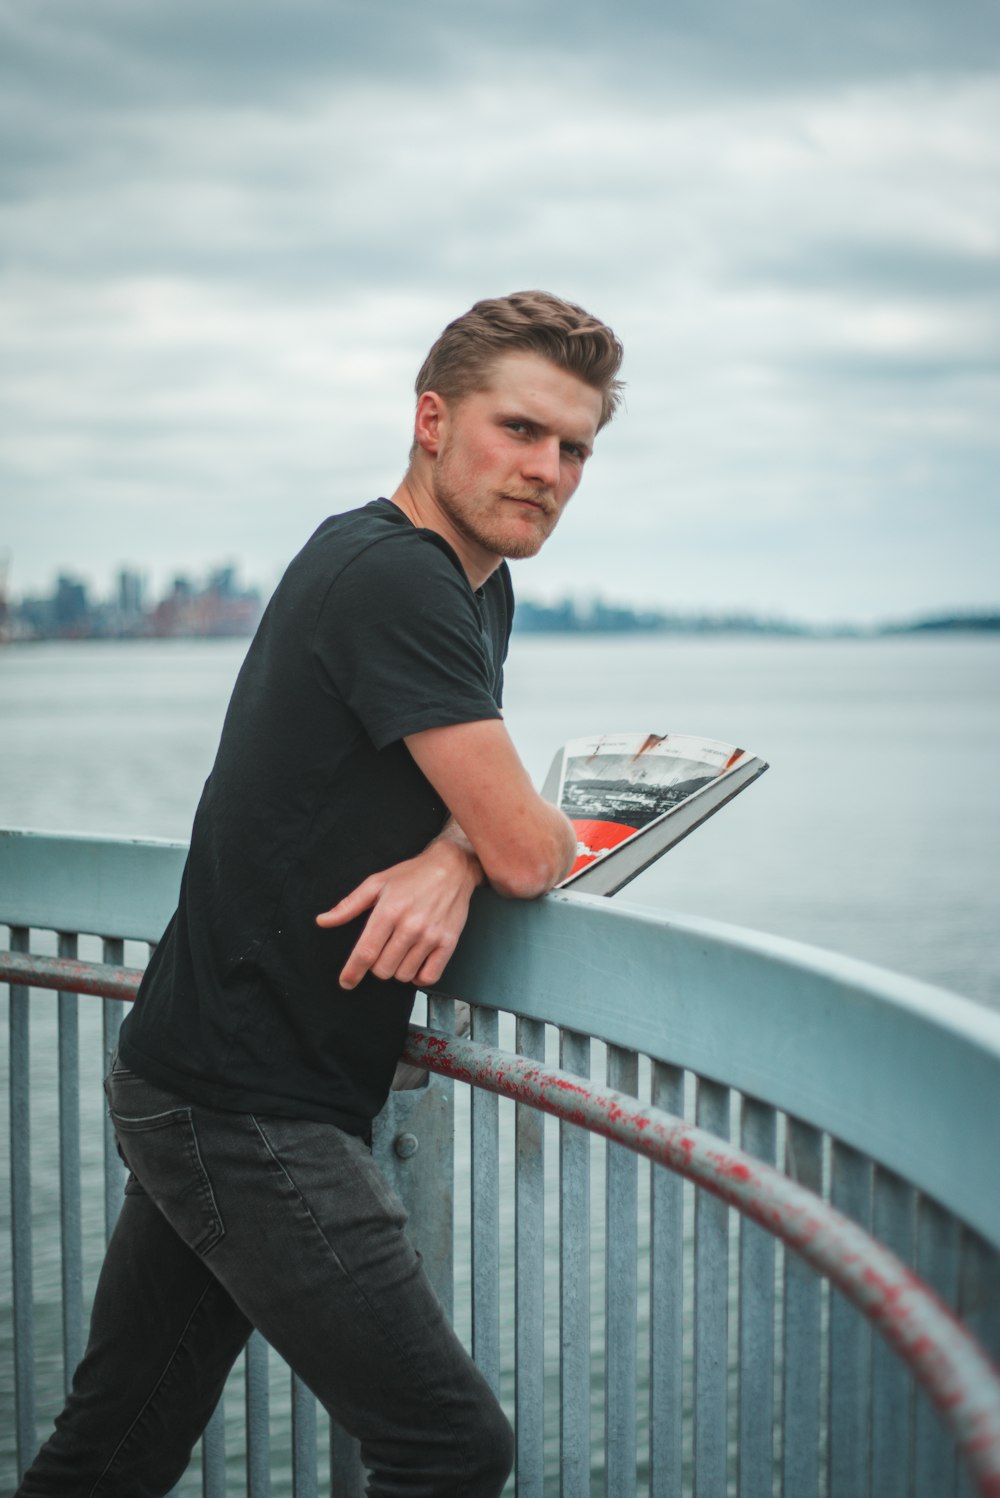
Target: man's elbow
(523,881)
(533,871)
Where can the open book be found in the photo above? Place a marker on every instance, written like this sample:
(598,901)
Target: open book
(631,796)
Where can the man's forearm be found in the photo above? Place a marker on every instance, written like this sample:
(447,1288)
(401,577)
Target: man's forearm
(547,859)
(525,844)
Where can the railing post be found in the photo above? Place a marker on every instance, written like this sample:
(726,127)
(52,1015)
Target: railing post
(620,1287)
(485,1213)
(575,1354)
(413,1143)
(894,1224)
(304,1423)
(112,1014)
(71,1231)
(257,1395)
(939,1236)
(849,1397)
(529,1278)
(20,1213)
(755,1396)
(666,1305)
(711,1316)
(802,1355)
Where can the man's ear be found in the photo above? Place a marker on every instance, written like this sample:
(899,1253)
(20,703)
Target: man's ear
(430,421)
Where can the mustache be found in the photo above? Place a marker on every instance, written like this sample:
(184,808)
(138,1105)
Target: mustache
(543,500)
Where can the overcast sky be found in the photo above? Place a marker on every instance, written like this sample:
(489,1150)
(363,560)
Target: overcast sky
(232,228)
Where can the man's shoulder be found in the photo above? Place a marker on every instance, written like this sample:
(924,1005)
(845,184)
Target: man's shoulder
(378,541)
(374,558)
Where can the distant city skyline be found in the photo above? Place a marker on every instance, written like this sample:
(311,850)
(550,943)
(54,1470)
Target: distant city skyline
(220,605)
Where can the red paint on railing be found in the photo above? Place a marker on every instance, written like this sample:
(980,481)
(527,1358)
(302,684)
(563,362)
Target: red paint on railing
(70,975)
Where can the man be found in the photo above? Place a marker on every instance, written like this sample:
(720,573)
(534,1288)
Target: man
(365,785)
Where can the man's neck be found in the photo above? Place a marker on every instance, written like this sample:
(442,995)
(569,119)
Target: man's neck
(417,502)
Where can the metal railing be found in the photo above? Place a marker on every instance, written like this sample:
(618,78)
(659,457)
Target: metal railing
(719,1359)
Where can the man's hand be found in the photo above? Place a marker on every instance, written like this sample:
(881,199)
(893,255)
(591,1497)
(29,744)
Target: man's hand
(418,912)
(516,841)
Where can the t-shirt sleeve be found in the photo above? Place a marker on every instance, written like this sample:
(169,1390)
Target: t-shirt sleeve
(401,640)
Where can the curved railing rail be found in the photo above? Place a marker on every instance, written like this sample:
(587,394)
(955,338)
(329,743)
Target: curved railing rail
(882,1094)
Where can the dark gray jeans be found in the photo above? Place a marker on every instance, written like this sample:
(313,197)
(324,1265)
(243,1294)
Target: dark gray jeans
(233,1221)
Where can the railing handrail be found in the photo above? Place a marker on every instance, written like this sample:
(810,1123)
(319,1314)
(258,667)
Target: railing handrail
(906,1073)
(954,1371)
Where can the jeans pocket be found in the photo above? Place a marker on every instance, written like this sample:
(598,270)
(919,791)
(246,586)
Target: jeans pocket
(161,1149)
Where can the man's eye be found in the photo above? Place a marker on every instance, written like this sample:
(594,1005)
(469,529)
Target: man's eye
(572,450)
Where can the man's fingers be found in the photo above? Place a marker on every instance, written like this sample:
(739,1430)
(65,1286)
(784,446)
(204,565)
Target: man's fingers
(416,911)
(402,957)
(393,957)
(354,904)
(433,966)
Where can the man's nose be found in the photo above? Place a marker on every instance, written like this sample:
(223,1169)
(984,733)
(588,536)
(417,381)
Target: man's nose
(542,462)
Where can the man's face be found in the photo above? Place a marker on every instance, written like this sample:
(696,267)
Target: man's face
(509,457)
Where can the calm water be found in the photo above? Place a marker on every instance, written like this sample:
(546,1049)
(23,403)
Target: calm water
(875,832)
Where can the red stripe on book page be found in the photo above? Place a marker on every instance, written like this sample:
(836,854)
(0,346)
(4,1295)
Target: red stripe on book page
(595,838)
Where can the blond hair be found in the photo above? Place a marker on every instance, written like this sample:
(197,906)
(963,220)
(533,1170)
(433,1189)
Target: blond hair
(532,321)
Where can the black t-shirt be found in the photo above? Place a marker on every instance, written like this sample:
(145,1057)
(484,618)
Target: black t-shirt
(372,634)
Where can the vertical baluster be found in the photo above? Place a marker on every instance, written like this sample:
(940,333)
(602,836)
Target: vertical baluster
(850,1388)
(304,1477)
(20,1212)
(70,1228)
(213,1455)
(800,1425)
(113,1012)
(935,1468)
(347,1475)
(439,1248)
(711,1320)
(574,1286)
(979,1308)
(529,1292)
(486,1214)
(620,1294)
(893,1221)
(666,1305)
(258,1404)
(441,1268)
(979,1292)
(755,1447)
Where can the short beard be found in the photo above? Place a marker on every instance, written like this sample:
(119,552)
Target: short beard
(483,534)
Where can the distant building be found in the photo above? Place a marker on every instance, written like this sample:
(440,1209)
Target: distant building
(131,587)
(71,607)
(221,609)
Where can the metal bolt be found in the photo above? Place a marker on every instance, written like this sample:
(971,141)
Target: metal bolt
(406,1145)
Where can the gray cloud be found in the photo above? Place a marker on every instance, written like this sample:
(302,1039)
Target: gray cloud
(230,232)
(249,51)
